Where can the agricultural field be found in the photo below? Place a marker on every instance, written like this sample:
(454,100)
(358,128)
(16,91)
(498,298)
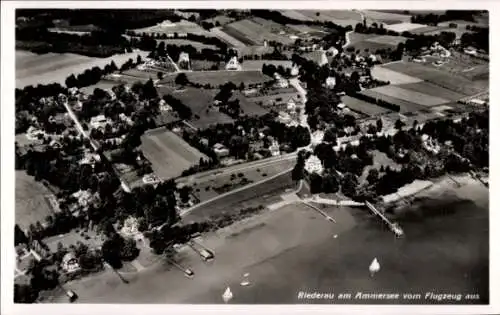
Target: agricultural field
(386,74)
(387,40)
(183,26)
(410,96)
(403,27)
(306,29)
(354,37)
(168,153)
(340,17)
(257,64)
(200,102)
(255,31)
(463,65)
(185,42)
(439,77)
(434,90)
(217,32)
(205,65)
(34,69)
(248,107)
(32,204)
(430,30)
(272,100)
(220,77)
(222,19)
(363,107)
(385,17)
(405,106)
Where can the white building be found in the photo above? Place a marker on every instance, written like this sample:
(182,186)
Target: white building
(70,264)
(330,82)
(274,148)
(317,137)
(99,121)
(313,165)
(233,64)
(220,150)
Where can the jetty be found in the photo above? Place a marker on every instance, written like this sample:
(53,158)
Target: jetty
(393,226)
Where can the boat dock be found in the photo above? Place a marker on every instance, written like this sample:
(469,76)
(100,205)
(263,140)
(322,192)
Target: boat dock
(393,226)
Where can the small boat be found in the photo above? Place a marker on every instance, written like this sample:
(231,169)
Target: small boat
(374,267)
(228,295)
(397,230)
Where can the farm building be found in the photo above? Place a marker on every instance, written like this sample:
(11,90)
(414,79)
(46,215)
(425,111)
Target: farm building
(313,165)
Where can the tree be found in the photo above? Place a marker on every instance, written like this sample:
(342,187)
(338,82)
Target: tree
(379,125)
(182,79)
(19,236)
(129,250)
(139,59)
(349,184)
(316,183)
(372,177)
(160,75)
(330,183)
(24,293)
(111,251)
(399,124)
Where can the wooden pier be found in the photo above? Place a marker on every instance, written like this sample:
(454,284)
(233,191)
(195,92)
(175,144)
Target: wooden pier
(393,226)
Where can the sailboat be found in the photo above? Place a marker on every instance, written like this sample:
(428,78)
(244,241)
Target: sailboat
(374,267)
(228,295)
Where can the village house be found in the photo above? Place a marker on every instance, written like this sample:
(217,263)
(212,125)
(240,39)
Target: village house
(220,150)
(70,263)
(313,165)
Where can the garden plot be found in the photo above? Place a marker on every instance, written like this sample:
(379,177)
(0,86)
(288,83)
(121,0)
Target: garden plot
(410,96)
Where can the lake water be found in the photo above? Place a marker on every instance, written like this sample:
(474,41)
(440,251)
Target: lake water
(442,258)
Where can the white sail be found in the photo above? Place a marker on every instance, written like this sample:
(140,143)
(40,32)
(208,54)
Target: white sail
(228,295)
(374,267)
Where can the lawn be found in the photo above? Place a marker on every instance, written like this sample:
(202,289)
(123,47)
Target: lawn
(168,153)
(410,96)
(33,69)
(359,37)
(248,107)
(103,84)
(72,238)
(431,89)
(439,77)
(385,73)
(372,46)
(364,107)
(405,106)
(32,204)
(379,159)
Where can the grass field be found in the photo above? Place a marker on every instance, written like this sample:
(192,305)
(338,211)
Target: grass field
(200,102)
(220,77)
(372,46)
(254,31)
(410,96)
(203,188)
(359,37)
(402,27)
(340,17)
(222,19)
(387,40)
(178,27)
(462,65)
(405,106)
(434,90)
(248,107)
(183,42)
(103,84)
(33,69)
(168,153)
(217,32)
(31,203)
(257,64)
(385,17)
(386,74)
(429,30)
(262,194)
(439,77)
(363,107)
